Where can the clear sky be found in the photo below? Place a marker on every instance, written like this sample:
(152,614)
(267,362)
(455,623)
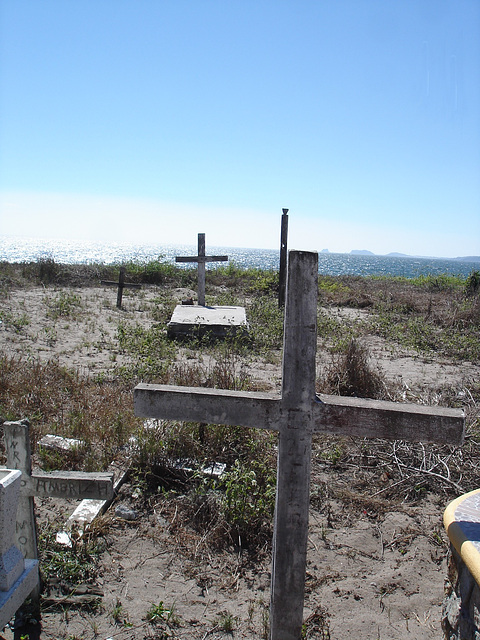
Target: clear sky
(154,120)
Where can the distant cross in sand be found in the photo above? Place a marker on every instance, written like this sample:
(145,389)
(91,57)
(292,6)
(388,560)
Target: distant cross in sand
(121,284)
(201,258)
(296,415)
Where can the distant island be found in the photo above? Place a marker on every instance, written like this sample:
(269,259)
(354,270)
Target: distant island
(394,254)
(361,252)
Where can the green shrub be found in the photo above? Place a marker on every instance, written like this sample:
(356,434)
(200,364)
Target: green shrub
(472,284)
(439,282)
(149,351)
(15,322)
(266,324)
(73,565)
(47,270)
(249,500)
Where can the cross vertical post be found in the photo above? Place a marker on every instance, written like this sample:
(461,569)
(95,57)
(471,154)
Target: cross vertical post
(121,284)
(294,450)
(201,259)
(17,445)
(201,269)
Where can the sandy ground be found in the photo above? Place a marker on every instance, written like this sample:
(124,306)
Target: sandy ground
(375,570)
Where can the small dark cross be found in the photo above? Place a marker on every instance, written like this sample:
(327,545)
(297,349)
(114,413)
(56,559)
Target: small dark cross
(296,415)
(121,284)
(201,258)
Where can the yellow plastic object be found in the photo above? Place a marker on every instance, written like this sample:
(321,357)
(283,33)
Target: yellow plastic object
(462,524)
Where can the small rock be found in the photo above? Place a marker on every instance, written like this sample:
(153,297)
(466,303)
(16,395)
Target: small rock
(124,512)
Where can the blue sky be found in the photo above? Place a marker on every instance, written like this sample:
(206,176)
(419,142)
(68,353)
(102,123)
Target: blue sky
(153,120)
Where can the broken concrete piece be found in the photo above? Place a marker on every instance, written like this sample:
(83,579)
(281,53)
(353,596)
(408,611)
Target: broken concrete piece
(58,443)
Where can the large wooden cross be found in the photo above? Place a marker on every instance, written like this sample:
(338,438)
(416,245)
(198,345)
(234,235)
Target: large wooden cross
(201,258)
(296,415)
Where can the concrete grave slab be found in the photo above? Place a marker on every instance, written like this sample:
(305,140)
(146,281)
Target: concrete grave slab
(197,319)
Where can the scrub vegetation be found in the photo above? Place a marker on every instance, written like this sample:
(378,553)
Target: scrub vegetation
(427,316)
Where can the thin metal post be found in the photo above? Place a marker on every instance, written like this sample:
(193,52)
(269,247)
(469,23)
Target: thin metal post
(282,276)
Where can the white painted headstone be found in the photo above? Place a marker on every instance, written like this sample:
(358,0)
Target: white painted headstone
(11,558)
(18,578)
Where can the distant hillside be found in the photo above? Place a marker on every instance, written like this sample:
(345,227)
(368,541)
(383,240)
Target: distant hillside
(396,254)
(468,259)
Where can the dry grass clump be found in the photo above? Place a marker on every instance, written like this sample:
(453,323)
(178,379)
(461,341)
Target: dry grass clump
(351,374)
(64,402)
(382,475)
(402,471)
(225,370)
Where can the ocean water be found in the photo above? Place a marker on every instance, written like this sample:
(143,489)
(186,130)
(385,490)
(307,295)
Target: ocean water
(23,249)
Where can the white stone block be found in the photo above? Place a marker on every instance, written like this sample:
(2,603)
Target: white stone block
(58,443)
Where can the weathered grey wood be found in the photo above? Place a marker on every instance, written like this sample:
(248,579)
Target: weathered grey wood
(296,415)
(75,485)
(236,408)
(294,449)
(282,273)
(88,509)
(121,284)
(356,417)
(363,418)
(201,259)
(63,484)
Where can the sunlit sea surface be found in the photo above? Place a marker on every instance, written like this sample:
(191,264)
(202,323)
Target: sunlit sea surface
(23,249)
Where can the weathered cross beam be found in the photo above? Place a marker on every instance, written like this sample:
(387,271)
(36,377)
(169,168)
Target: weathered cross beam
(55,484)
(202,259)
(121,284)
(296,415)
